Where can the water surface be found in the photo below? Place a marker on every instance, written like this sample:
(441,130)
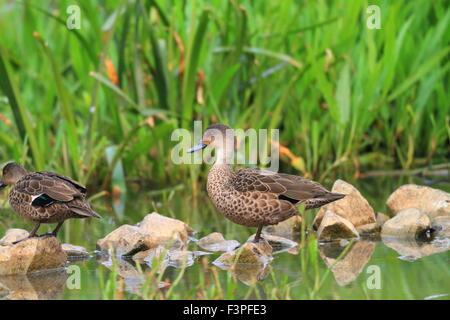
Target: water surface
(368,269)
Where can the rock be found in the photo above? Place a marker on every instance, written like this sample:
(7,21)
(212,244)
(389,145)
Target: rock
(289,228)
(32,255)
(278,244)
(335,227)
(164,229)
(370,229)
(346,270)
(36,286)
(256,254)
(441,224)
(408,223)
(382,218)
(353,207)
(433,202)
(126,241)
(216,242)
(75,252)
(411,249)
(12,235)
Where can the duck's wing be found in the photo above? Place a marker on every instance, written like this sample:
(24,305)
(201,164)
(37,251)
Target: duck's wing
(72,182)
(287,187)
(48,188)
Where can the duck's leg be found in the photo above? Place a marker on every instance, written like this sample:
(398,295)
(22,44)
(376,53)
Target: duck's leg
(258,235)
(32,233)
(54,232)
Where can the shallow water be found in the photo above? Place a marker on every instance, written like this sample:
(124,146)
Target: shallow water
(369,269)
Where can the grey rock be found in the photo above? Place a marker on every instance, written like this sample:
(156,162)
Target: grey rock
(433,202)
(408,223)
(353,207)
(334,227)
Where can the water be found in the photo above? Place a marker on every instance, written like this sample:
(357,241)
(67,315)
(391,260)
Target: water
(370,269)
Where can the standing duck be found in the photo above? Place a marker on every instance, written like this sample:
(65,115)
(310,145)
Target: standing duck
(255,197)
(45,197)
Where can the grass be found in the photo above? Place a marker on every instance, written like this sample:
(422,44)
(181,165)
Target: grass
(346,99)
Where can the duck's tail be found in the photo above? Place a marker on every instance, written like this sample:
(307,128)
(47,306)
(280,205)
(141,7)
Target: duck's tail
(323,200)
(82,208)
(333,196)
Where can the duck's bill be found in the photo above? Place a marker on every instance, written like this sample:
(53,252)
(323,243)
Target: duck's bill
(2,185)
(200,146)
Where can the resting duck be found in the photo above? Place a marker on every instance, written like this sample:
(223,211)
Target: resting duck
(45,197)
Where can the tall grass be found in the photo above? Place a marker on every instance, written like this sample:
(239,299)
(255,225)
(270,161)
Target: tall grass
(346,98)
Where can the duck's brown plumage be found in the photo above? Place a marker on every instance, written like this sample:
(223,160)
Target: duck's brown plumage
(46,197)
(49,197)
(256,197)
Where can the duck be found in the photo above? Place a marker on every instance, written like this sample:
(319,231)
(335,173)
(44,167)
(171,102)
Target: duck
(45,197)
(255,197)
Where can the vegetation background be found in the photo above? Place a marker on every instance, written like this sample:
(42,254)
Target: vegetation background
(102,100)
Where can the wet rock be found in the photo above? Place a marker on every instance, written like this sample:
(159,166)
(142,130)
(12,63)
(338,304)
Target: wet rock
(278,244)
(408,223)
(32,255)
(346,270)
(164,229)
(353,207)
(411,249)
(289,228)
(13,235)
(216,242)
(433,202)
(257,254)
(75,252)
(441,224)
(382,218)
(370,229)
(35,286)
(335,227)
(126,241)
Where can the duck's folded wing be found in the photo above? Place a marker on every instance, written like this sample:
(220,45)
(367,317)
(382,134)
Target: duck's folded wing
(286,186)
(45,189)
(76,184)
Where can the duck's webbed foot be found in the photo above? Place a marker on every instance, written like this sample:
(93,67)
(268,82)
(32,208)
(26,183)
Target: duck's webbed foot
(20,240)
(31,235)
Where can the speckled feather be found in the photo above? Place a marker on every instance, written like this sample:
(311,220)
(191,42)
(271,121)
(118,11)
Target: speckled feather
(253,197)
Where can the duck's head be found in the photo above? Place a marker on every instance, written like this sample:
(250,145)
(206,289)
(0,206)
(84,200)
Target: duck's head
(12,172)
(219,137)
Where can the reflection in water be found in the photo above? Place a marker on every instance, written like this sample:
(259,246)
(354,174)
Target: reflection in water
(35,286)
(351,265)
(412,249)
(249,275)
